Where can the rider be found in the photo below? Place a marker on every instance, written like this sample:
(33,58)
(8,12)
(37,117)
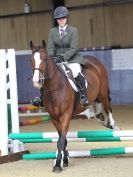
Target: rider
(63,43)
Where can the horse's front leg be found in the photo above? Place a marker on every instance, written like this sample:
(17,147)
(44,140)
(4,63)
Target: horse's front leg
(61,145)
(65,158)
(62,126)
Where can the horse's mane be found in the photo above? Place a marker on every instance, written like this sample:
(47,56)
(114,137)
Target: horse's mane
(57,66)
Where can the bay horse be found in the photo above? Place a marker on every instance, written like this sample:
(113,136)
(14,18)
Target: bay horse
(62,102)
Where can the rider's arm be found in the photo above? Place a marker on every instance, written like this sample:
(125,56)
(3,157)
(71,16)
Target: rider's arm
(50,46)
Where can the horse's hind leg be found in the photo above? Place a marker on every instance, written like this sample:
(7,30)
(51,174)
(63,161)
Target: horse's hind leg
(112,121)
(106,117)
(99,115)
(108,111)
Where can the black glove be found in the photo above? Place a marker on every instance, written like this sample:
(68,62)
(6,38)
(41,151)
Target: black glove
(59,58)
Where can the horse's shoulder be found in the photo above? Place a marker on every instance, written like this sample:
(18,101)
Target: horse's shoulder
(71,28)
(54,29)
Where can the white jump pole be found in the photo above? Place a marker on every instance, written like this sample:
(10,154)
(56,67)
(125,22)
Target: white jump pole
(3,105)
(13,95)
(13,89)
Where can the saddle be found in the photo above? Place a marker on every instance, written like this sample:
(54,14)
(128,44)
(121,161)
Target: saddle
(68,73)
(79,84)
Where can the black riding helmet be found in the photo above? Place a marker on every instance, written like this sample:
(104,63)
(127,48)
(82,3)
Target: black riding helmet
(61,12)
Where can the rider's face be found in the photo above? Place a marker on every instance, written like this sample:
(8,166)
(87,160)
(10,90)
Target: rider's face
(62,21)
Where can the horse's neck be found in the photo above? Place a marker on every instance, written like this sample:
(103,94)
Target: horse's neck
(53,73)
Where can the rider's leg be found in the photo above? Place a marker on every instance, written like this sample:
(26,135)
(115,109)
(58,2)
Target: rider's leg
(38,101)
(80,82)
(81,85)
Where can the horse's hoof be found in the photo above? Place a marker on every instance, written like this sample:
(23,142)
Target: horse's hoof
(114,127)
(65,164)
(117,128)
(57,169)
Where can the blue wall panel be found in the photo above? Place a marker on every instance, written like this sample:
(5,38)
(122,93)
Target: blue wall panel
(121,86)
(26,91)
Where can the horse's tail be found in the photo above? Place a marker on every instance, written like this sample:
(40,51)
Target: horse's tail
(109,100)
(109,95)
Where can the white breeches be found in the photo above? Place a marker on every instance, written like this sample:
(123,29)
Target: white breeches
(75,68)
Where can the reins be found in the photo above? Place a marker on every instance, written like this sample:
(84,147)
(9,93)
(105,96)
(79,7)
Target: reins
(48,76)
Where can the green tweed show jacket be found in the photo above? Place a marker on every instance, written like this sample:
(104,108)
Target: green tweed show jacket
(67,46)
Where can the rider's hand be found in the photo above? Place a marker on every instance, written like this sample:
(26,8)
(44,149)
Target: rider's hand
(59,59)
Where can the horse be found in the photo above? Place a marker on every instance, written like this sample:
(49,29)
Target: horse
(60,99)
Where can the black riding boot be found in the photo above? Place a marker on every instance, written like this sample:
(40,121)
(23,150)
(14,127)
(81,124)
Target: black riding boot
(80,82)
(38,101)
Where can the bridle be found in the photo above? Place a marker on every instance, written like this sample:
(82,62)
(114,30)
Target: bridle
(42,75)
(45,75)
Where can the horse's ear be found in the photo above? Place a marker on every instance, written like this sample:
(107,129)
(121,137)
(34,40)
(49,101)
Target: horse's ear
(43,44)
(31,44)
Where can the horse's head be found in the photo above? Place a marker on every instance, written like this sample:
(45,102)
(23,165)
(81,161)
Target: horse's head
(39,60)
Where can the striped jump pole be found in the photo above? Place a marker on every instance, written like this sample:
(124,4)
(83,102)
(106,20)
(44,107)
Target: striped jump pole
(93,139)
(88,153)
(80,134)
